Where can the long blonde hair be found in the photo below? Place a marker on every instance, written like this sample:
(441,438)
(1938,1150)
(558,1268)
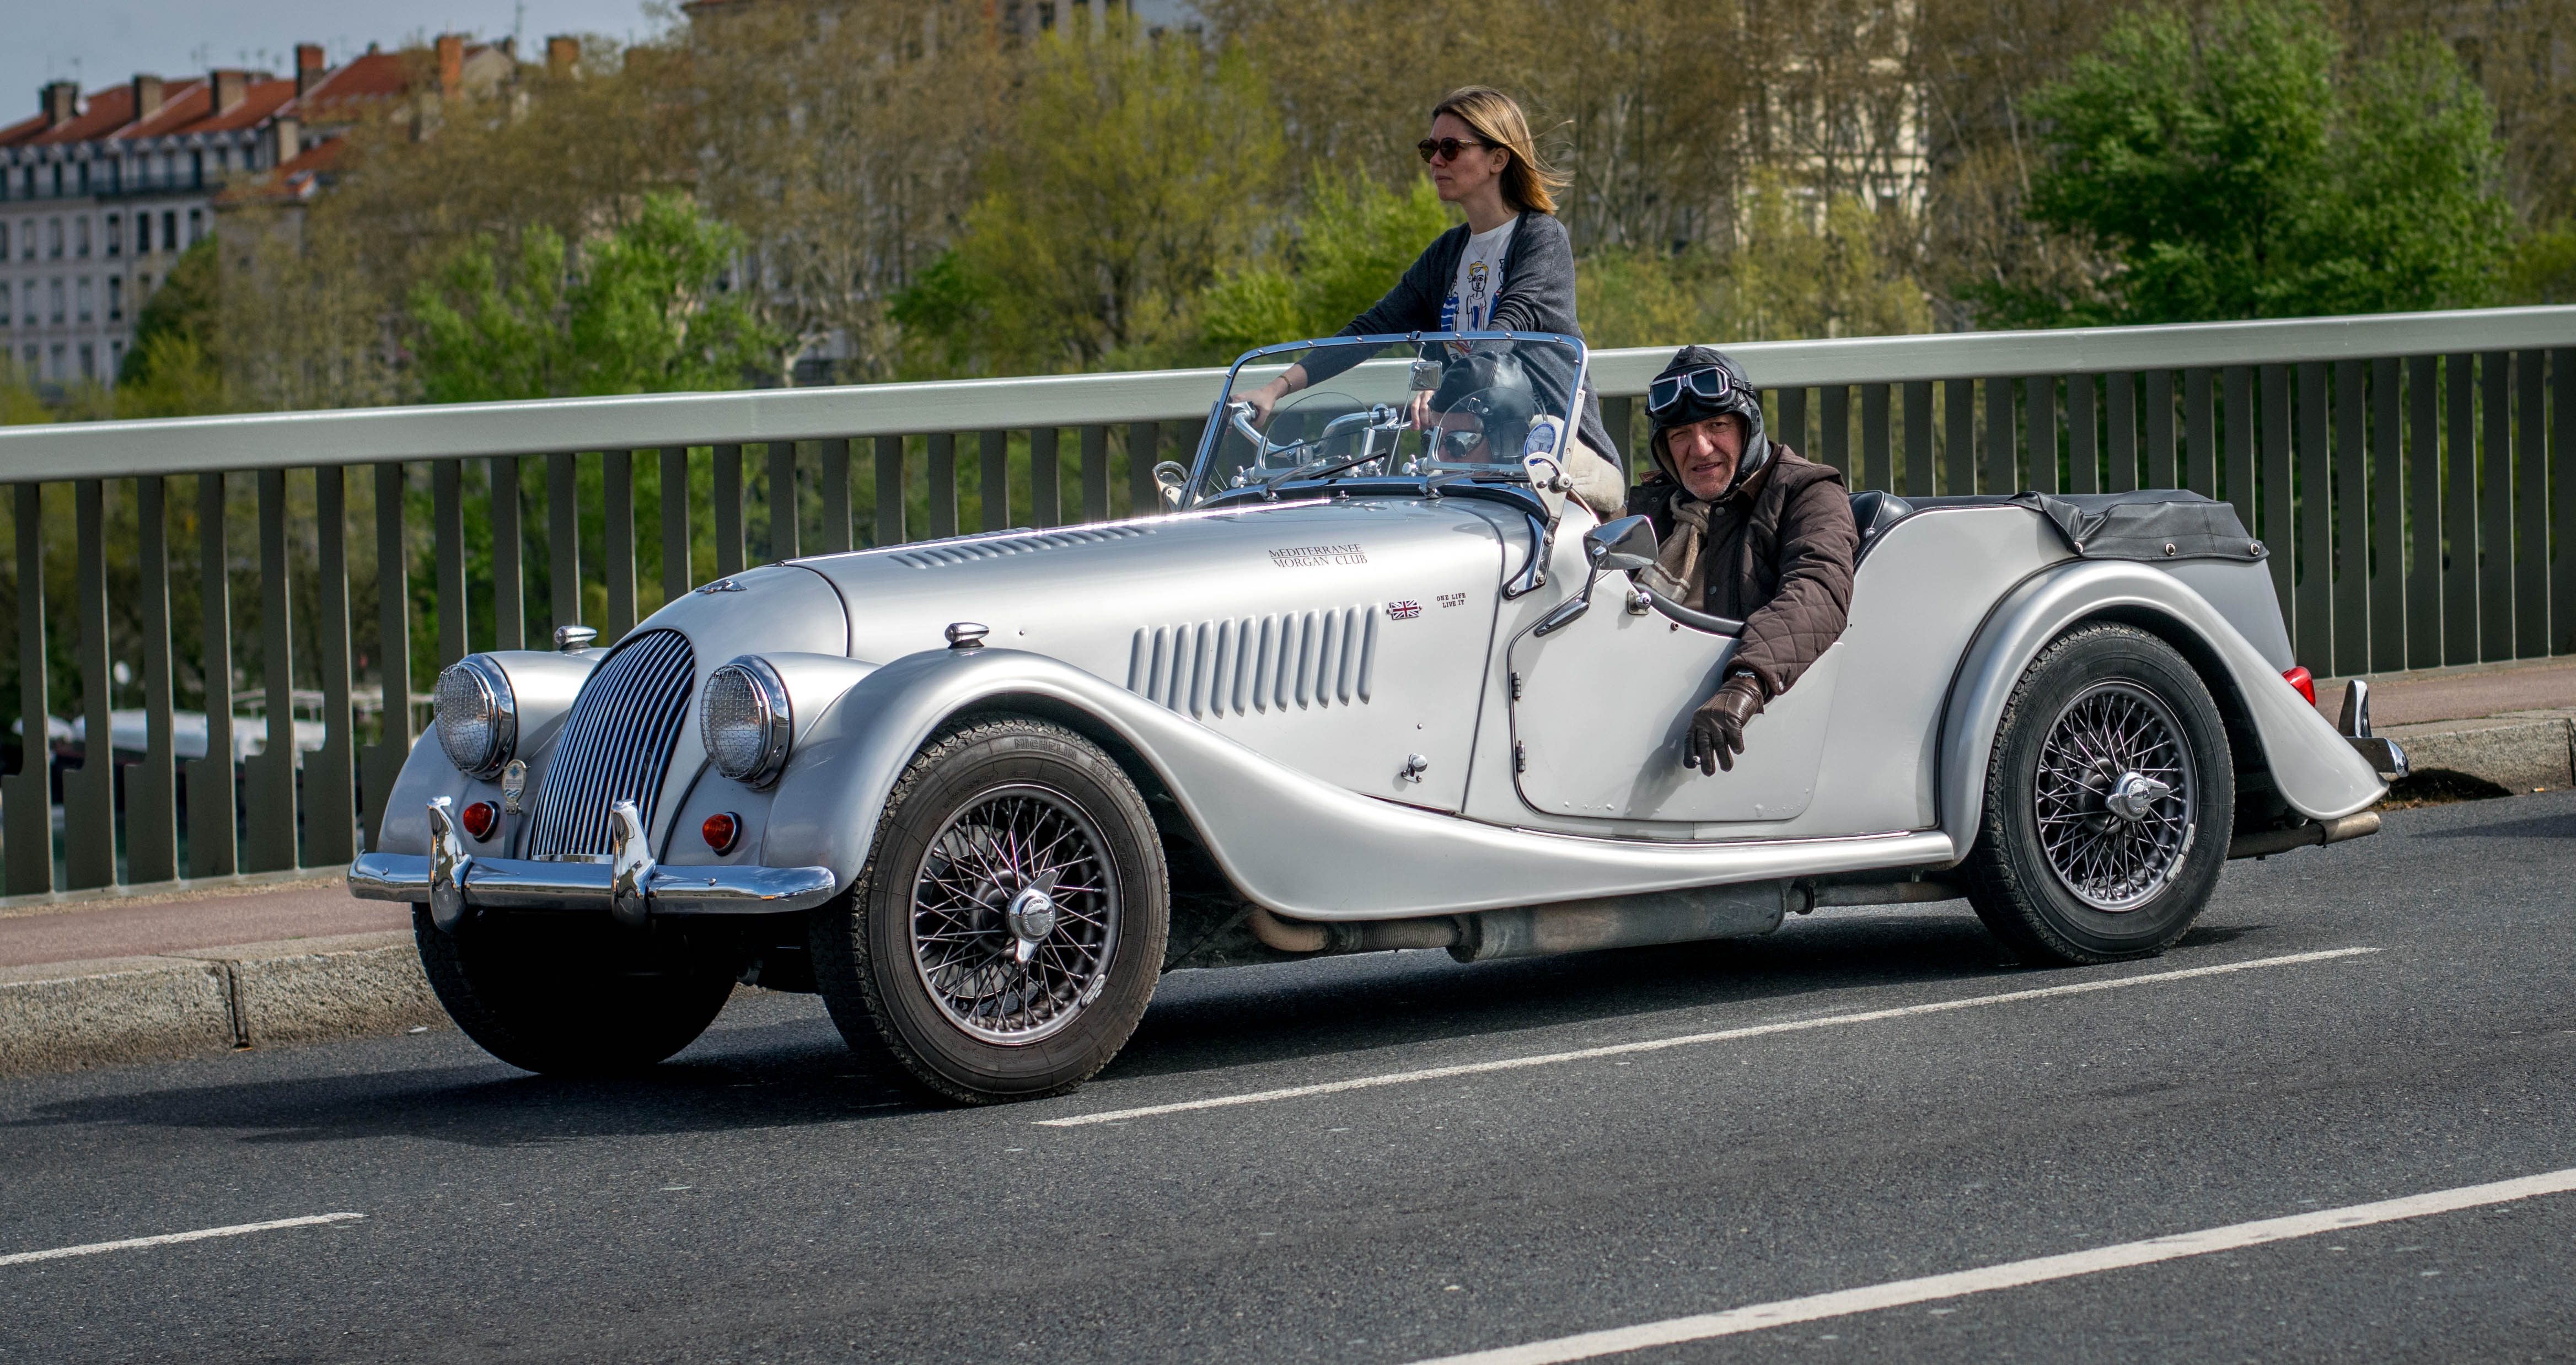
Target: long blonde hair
(1528,182)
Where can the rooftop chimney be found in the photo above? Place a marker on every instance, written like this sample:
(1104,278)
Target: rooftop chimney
(309,68)
(147,96)
(231,88)
(61,102)
(563,53)
(451,64)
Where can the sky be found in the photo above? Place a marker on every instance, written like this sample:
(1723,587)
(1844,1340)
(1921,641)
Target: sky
(104,42)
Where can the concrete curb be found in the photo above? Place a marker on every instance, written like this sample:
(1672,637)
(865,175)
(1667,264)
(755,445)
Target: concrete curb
(68,1015)
(2517,753)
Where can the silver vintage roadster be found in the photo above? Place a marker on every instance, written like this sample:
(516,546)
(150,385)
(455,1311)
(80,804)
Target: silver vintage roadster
(1372,680)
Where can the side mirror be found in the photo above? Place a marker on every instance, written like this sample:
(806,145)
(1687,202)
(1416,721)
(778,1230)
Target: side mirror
(1625,544)
(1173,480)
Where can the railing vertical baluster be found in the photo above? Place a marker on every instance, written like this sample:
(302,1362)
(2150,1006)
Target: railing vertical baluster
(1617,416)
(330,792)
(1918,438)
(1833,444)
(2200,436)
(2160,430)
(1959,442)
(2460,510)
(2562,455)
(2121,388)
(2495,508)
(269,776)
(447,511)
(2041,405)
(617,541)
(677,572)
(942,477)
(729,515)
(27,798)
(785,540)
(384,758)
(509,582)
(1045,498)
(563,529)
(2351,556)
(994,495)
(2531,508)
(2424,511)
(2003,436)
(214,835)
(2387,524)
(2312,633)
(151,789)
(835,488)
(2239,384)
(1144,447)
(2280,531)
(89,792)
(1877,456)
(1095,473)
(890,507)
(2083,437)
(1792,407)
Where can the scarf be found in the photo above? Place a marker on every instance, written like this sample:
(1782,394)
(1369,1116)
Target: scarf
(1677,572)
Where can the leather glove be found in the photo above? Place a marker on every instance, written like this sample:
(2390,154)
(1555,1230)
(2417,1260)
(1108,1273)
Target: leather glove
(1717,727)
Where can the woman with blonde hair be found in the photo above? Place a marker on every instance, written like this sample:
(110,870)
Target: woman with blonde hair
(1508,268)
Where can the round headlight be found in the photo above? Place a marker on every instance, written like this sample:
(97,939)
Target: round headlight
(745,722)
(478,718)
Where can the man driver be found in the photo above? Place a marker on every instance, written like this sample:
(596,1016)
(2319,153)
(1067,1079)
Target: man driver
(1748,530)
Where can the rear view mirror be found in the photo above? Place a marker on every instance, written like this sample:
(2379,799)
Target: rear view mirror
(1625,544)
(1426,375)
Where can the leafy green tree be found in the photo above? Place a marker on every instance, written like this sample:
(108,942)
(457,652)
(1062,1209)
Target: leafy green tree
(171,369)
(1347,249)
(2226,171)
(641,310)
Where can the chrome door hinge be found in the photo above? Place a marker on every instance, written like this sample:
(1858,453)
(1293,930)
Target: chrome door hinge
(1516,687)
(1520,757)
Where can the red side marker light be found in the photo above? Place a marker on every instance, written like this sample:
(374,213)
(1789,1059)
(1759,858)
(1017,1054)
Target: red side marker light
(480,819)
(2303,681)
(721,829)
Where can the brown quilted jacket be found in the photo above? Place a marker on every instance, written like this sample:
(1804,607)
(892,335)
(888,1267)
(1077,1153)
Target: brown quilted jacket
(1778,558)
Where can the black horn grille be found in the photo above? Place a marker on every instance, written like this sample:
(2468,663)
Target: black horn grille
(616,744)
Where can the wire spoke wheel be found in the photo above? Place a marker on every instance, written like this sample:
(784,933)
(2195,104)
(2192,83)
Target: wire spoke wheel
(2116,796)
(1014,915)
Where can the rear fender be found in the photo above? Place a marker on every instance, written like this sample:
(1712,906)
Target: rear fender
(2317,771)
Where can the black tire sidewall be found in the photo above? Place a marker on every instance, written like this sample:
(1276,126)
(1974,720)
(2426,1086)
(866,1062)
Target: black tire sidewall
(2010,865)
(567,999)
(952,772)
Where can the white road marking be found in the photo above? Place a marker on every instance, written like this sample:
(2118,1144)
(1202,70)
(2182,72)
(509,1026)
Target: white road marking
(1760,1316)
(1689,1039)
(170,1238)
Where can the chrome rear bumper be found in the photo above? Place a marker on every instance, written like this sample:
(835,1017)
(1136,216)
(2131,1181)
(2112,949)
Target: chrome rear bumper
(630,886)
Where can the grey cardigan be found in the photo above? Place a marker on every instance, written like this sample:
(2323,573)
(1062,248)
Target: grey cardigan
(1537,296)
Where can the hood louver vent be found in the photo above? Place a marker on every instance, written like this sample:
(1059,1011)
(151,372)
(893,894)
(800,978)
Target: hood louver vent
(1258,664)
(970,550)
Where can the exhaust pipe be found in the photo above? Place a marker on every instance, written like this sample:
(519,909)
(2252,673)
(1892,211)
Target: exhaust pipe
(2263,843)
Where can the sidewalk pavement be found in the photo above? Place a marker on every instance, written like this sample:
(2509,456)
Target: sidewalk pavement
(100,980)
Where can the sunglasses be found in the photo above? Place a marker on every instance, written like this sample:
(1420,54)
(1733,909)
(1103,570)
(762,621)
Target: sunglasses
(1446,148)
(1709,382)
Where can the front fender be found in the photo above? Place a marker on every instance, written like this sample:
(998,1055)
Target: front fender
(2318,773)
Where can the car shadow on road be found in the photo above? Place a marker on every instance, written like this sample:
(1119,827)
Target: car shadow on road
(776,1062)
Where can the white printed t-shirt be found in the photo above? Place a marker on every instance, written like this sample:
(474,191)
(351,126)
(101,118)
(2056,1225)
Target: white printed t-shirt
(1470,305)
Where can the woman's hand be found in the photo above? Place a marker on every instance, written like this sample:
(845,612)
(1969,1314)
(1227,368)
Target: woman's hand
(1419,412)
(1266,397)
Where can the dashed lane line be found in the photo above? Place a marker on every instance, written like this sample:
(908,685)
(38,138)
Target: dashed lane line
(1931,1288)
(174,1238)
(1689,1039)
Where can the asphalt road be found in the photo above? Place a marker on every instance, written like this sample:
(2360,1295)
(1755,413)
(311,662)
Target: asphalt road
(762,1199)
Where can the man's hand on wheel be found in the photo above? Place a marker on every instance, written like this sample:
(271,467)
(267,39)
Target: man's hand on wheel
(1717,727)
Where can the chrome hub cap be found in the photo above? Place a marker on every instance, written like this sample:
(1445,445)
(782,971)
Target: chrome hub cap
(2118,797)
(1015,915)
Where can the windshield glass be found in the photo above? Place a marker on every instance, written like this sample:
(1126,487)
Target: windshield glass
(1475,402)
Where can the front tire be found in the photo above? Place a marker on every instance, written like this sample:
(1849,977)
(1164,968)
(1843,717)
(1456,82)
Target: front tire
(566,997)
(2108,801)
(1006,935)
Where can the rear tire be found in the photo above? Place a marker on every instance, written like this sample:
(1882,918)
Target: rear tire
(940,957)
(566,997)
(2108,801)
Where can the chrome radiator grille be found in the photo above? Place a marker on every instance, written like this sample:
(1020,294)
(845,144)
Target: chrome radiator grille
(616,744)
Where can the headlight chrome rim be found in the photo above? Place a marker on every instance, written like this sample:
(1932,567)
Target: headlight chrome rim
(492,692)
(772,721)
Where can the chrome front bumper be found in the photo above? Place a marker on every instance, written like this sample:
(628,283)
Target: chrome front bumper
(630,885)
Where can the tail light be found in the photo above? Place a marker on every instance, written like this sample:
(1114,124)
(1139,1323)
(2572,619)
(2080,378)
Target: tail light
(2304,682)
